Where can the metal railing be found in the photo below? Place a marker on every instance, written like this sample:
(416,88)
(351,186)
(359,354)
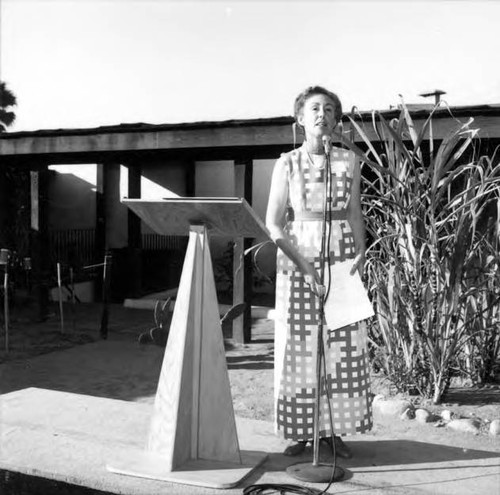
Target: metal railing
(156,242)
(74,247)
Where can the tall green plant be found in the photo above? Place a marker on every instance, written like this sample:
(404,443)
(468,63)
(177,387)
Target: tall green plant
(481,352)
(423,202)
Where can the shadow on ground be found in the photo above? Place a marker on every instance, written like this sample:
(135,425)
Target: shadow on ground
(405,452)
(112,369)
(403,458)
(251,362)
(478,395)
(401,453)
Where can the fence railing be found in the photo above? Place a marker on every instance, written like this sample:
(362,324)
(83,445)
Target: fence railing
(156,242)
(77,246)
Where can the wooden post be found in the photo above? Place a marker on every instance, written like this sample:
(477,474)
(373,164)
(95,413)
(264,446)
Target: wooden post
(134,284)
(73,301)
(59,293)
(242,268)
(106,269)
(5,260)
(107,198)
(238,258)
(40,238)
(6,306)
(101,242)
(190,178)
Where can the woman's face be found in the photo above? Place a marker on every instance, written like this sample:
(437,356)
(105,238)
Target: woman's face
(318,116)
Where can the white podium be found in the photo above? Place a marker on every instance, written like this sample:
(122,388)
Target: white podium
(192,436)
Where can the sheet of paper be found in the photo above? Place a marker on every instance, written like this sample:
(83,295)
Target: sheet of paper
(347,301)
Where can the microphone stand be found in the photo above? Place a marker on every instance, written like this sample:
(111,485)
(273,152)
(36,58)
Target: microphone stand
(319,472)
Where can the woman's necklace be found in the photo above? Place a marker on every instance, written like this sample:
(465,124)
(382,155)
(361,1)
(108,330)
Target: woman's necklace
(316,160)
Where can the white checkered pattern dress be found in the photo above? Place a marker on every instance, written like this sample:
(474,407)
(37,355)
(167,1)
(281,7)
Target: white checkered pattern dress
(346,356)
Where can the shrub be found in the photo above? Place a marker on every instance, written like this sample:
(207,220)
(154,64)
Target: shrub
(433,266)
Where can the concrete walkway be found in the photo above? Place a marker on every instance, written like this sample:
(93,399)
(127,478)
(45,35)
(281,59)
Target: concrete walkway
(66,414)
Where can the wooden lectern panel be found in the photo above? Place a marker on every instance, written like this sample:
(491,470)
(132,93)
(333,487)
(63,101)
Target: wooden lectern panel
(217,435)
(232,217)
(194,416)
(193,437)
(171,425)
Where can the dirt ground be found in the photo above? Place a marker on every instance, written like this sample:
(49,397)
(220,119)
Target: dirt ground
(250,368)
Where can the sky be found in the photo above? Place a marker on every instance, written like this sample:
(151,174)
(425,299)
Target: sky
(87,63)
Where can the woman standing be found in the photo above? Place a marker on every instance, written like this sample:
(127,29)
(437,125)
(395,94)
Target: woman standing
(295,219)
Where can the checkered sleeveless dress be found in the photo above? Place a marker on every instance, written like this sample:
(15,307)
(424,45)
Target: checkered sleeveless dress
(346,356)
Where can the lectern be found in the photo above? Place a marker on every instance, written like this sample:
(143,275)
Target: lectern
(192,436)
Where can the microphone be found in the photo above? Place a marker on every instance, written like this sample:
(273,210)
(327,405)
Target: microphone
(327,144)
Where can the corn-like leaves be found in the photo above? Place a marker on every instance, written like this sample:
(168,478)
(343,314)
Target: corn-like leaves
(426,269)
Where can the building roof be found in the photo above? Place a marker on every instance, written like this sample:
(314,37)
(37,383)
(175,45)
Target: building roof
(209,140)
(418,111)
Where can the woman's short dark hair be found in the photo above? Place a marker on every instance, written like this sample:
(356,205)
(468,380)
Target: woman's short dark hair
(316,90)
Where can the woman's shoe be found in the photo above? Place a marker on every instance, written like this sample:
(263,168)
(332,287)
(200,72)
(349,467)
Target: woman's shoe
(341,449)
(295,449)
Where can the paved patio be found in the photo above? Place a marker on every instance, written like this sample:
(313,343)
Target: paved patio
(65,414)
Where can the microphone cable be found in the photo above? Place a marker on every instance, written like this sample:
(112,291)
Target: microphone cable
(281,489)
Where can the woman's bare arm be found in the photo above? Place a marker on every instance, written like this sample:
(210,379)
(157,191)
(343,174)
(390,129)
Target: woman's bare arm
(275,219)
(355,217)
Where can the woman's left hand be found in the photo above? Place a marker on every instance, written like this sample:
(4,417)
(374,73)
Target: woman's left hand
(358,264)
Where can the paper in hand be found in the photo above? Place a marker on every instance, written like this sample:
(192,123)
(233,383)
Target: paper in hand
(347,300)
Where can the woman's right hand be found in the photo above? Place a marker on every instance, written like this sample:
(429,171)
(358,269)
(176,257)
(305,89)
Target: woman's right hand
(311,278)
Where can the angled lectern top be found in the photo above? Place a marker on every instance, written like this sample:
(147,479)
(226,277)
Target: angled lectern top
(192,437)
(221,216)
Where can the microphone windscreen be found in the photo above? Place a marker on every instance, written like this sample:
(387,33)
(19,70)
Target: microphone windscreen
(327,143)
